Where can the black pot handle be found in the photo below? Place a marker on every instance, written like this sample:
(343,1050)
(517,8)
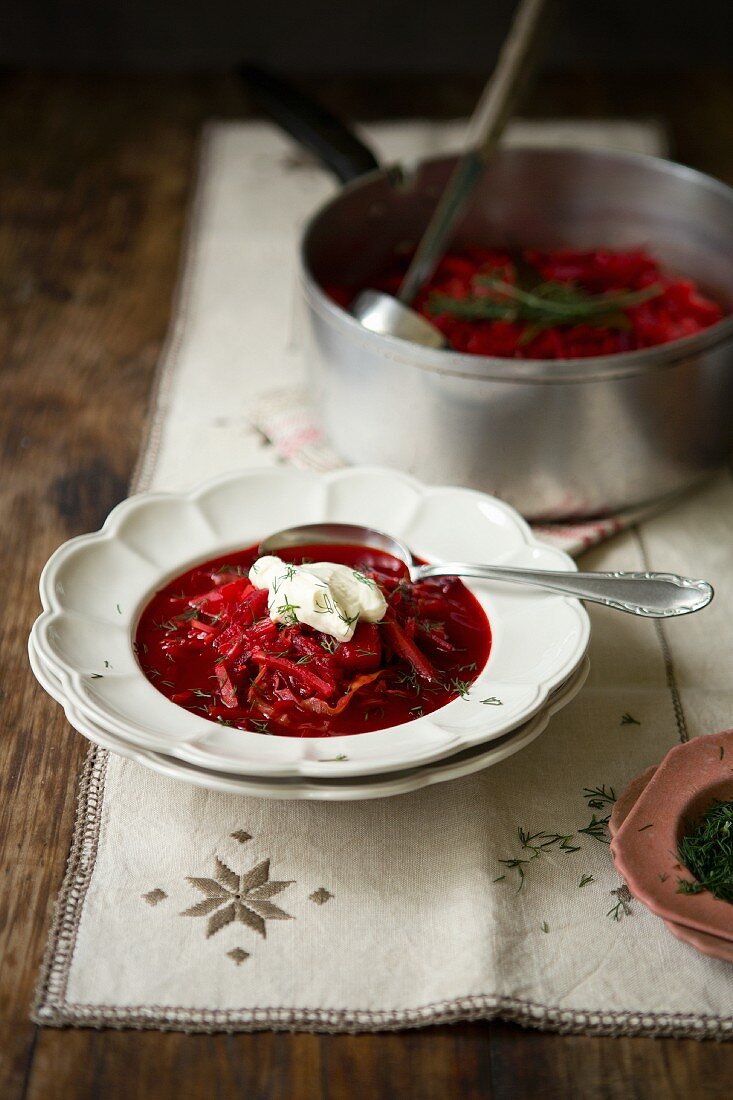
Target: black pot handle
(312,126)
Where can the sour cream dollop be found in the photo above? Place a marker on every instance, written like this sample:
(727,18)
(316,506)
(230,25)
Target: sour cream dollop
(329,597)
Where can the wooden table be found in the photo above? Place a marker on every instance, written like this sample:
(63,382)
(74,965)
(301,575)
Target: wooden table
(94,182)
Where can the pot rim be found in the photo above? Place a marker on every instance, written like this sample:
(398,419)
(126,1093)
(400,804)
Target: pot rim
(490,368)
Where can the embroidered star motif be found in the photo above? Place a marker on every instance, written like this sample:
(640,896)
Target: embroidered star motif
(241,836)
(246,898)
(154,897)
(320,896)
(238,955)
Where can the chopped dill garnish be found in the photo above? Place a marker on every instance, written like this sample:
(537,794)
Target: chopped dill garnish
(684,886)
(629,720)
(545,926)
(326,604)
(598,797)
(107,664)
(224,721)
(305,659)
(707,853)
(622,907)
(166,624)
(187,615)
(168,683)
(409,679)
(96,676)
(492,701)
(259,726)
(649,826)
(429,626)
(119,609)
(202,694)
(468,668)
(461,687)
(618,910)
(329,644)
(364,579)
(333,759)
(515,865)
(584,880)
(417,711)
(537,844)
(596,828)
(288,613)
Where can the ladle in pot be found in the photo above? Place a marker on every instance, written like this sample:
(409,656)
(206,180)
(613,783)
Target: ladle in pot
(650,595)
(392,316)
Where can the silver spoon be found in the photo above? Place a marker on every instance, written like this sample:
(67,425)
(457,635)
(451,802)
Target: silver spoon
(392,316)
(651,595)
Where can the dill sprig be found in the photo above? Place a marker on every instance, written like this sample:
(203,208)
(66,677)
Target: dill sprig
(597,828)
(537,845)
(546,305)
(288,611)
(622,907)
(707,852)
(461,687)
(598,797)
(259,726)
(364,579)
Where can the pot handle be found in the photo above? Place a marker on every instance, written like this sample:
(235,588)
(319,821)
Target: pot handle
(312,126)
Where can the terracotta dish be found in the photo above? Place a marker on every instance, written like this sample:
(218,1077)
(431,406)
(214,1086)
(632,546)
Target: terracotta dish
(649,819)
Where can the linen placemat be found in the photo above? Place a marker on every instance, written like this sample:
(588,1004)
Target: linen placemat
(396,912)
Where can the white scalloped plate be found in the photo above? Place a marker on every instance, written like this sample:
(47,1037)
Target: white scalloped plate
(331,789)
(94,588)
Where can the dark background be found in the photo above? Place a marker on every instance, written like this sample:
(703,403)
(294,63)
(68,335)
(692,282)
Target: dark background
(368,37)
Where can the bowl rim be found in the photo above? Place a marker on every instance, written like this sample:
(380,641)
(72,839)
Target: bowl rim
(494,369)
(441,737)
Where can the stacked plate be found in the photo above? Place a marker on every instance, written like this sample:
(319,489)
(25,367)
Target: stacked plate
(94,588)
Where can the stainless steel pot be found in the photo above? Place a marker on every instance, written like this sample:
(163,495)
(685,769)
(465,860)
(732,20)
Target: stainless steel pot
(557,439)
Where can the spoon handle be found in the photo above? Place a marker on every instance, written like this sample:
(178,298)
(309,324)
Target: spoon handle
(652,595)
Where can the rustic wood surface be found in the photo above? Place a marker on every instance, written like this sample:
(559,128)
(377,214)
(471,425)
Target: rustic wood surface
(94,178)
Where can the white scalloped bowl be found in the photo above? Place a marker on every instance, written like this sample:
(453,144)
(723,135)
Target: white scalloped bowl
(94,588)
(334,787)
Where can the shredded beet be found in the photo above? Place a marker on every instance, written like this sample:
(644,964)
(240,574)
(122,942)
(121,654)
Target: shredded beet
(561,304)
(206,641)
